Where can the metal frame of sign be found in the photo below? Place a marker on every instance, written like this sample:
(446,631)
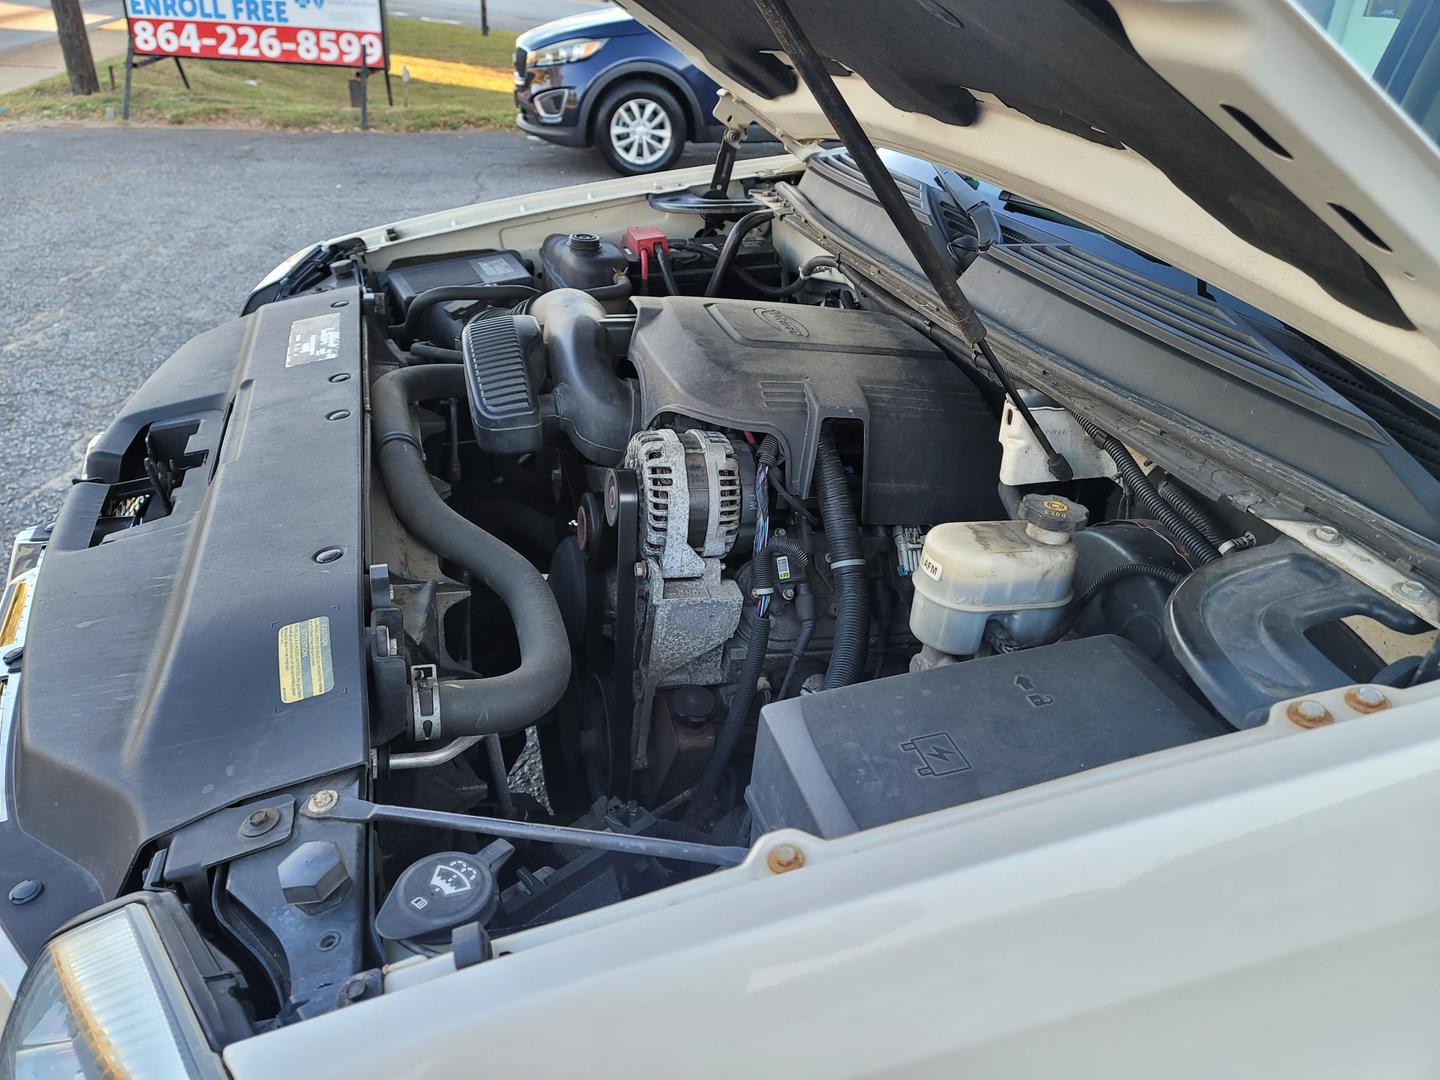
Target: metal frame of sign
(134,60)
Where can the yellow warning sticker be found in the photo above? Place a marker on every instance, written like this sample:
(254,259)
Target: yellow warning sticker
(305,668)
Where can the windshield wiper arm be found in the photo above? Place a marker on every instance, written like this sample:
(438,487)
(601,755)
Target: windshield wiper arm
(933,263)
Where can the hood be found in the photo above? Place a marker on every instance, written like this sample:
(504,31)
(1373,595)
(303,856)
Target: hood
(607,21)
(1230,138)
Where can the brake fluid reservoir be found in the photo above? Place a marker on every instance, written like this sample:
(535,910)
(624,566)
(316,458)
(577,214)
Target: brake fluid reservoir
(1017,573)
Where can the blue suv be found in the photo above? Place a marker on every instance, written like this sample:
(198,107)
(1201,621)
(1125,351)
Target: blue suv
(602,79)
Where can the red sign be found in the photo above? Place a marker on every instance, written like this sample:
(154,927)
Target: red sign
(344,33)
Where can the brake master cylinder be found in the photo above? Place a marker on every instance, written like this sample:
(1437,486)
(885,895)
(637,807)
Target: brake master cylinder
(1017,573)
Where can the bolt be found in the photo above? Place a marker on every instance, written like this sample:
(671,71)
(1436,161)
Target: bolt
(22,892)
(1308,714)
(1366,699)
(323,801)
(1325,534)
(259,822)
(325,555)
(312,873)
(784,858)
(338,414)
(1412,590)
(788,594)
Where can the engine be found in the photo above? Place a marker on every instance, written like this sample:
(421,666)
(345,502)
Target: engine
(677,540)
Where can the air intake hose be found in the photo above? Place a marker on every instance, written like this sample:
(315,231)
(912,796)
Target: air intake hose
(596,406)
(482,706)
(847,567)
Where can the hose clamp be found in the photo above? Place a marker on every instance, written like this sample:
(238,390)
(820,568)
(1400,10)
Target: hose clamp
(844,564)
(399,436)
(425,702)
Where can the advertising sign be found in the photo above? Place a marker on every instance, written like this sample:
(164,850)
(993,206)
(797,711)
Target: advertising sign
(343,33)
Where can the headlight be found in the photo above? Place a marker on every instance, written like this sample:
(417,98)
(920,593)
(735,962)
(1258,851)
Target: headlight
(104,1000)
(283,268)
(564,52)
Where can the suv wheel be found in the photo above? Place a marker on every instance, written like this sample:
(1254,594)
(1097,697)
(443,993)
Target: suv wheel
(640,129)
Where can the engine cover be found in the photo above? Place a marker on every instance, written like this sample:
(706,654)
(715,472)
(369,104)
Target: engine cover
(930,438)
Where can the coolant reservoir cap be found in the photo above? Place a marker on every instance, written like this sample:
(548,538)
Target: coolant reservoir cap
(584,243)
(1053,513)
(438,893)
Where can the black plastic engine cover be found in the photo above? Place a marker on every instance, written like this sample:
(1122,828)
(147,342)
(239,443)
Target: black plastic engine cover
(881,751)
(153,690)
(930,439)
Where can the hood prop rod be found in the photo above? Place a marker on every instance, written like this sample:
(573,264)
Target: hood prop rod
(332,806)
(935,265)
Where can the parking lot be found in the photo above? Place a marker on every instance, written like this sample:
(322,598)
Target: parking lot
(123,244)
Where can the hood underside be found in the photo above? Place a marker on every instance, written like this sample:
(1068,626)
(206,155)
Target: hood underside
(1227,137)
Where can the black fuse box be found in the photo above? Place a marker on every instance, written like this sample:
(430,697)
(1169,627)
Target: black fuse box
(866,755)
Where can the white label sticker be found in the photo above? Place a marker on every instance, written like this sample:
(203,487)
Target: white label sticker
(312,339)
(930,566)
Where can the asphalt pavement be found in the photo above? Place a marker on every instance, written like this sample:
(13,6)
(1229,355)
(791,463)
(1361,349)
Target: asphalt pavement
(120,245)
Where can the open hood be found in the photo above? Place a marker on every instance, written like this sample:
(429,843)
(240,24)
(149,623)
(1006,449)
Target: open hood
(1230,138)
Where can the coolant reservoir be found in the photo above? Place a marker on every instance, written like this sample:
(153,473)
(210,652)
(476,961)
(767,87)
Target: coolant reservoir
(1017,573)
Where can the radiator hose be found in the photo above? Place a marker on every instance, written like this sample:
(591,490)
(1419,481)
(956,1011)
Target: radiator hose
(480,706)
(847,569)
(1143,491)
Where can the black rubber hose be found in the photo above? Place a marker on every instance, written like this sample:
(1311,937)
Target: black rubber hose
(1186,507)
(779,292)
(422,303)
(434,354)
(667,272)
(595,405)
(805,609)
(503,703)
(1099,585)
(751,668)
(1142,490)
(847,569)
(728,250)
(618,291)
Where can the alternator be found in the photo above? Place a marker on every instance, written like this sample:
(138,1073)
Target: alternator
(690,497)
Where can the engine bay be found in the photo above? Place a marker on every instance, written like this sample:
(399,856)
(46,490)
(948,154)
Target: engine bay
(808,567)
(611,551)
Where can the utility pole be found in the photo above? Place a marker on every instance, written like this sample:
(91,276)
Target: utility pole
(75,45)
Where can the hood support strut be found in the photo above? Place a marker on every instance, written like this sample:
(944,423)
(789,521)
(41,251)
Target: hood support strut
(811,68)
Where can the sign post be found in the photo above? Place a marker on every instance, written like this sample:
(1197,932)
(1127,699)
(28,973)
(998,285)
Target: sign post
(331,33)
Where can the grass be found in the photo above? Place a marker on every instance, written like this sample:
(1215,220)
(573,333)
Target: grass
(297,97)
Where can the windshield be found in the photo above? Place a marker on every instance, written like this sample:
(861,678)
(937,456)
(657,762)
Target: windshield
(1396,43)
